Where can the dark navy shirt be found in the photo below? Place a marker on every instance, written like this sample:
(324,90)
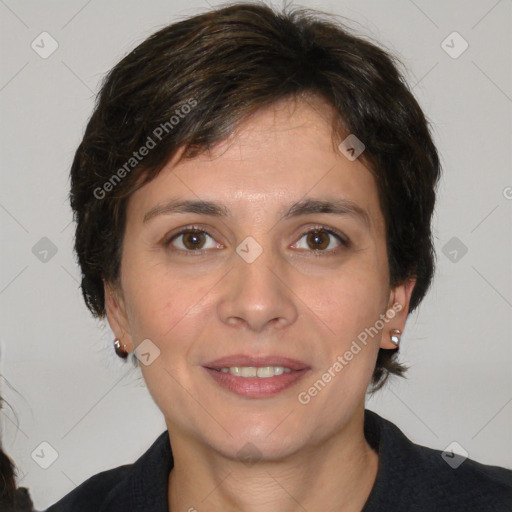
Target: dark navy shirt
(410,478)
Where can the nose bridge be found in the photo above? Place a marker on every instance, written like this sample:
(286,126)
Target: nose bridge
(256,293)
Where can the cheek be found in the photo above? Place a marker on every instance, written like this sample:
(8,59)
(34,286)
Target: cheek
(169,311)
(350,309)
(157,308)
(349,301)
(155,300)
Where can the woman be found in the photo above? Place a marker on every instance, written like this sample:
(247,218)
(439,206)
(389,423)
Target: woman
(253,197)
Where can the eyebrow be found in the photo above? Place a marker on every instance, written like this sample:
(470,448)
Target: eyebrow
(302,207)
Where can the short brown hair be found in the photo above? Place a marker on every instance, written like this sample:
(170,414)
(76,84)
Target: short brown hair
(226,64)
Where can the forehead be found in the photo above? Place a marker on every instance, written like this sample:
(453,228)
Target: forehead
(281,154)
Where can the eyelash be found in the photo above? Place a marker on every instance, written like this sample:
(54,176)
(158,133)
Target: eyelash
(344,241)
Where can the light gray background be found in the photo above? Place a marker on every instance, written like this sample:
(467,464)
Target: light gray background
(60,374)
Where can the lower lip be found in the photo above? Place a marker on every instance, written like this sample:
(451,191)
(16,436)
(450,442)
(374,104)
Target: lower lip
(253,387)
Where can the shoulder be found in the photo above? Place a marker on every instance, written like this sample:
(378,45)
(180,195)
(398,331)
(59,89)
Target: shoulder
(461,483)
(131,487)
(417,478)
(94,492)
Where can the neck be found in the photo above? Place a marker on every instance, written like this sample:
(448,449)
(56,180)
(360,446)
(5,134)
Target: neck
(336,475)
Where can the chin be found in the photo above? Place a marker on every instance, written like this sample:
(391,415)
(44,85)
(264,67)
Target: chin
(250,448)
(276,432)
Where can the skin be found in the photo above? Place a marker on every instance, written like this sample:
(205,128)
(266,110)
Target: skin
(290,301)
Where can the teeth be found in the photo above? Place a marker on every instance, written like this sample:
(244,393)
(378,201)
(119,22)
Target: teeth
(263,372)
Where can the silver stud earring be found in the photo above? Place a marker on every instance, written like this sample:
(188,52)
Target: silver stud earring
(395,337)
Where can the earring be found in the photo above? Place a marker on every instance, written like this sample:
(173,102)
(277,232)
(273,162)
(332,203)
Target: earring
(395,338)
(120,351)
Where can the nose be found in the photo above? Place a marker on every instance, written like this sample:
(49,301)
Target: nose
(258,295)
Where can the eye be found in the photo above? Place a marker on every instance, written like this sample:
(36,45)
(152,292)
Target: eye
(322,239)
(191,239)
(319,239)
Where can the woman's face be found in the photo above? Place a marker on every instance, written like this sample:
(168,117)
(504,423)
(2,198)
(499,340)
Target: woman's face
(254,287)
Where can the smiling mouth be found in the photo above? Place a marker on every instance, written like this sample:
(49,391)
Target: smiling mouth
(256,376)
(256,381)
(261,372)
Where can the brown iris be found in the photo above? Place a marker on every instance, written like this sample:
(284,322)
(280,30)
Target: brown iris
(316,238)
(196,240)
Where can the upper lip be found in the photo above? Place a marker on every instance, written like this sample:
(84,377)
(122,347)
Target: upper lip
(247,360)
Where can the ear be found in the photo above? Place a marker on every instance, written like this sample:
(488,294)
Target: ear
(399,299)
(116,315)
